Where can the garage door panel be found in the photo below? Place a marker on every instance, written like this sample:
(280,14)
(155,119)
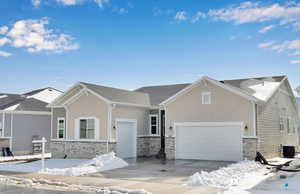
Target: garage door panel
(209,142)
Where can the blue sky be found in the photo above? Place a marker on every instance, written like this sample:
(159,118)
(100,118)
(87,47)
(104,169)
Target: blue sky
(132,43)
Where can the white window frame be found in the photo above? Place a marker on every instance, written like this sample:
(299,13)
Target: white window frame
(208,95)
(97,128)
(59,119)
(150,125)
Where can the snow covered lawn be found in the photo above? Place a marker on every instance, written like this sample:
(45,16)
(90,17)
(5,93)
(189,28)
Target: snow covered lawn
(25,157)
(98,164)
(33,167)
(70,167)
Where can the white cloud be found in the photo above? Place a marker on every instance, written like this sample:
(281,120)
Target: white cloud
(265,29)
(36,3)
(180,15)
(293,45)
(35,37)
(266,44)
(255,12)
(5,54)
(4,41)
(3,29)
(295,62)
(199,15)
(100,3)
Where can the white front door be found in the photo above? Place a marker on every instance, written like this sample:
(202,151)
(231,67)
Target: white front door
(126,138)
(209,141)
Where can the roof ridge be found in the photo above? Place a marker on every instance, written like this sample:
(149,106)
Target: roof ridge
(114,88)
(162,85)
(254,77)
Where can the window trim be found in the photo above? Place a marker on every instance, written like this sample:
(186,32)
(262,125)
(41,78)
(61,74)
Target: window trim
(150,125)
(97,128)
(203,94)
(58,119)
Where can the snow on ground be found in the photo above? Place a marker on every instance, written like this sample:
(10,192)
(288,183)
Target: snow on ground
(33,167)
(238,176)
(60,186)
(263,90)
(25,157)
(98,164)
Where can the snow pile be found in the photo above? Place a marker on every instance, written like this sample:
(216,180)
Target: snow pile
(263,90)
(25,157)
(243,175)
(98,164)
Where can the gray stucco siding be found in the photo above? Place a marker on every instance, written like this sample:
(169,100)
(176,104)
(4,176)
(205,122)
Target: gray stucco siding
(25,127)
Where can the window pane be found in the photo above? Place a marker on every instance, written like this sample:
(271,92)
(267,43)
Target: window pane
(83,126)
(90,133)
(61,134)
(153,120)
(91,124)
(153,129)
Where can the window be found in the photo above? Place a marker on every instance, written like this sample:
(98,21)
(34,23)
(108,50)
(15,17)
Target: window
(87,129)
(288,125)
(281,124)
(206,98)
(153,121)
(61,128)
(1,130)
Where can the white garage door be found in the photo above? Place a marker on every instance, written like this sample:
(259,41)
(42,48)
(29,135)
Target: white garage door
(126,138)
(209,141)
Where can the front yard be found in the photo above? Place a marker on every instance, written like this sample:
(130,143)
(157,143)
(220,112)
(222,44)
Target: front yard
(145,175)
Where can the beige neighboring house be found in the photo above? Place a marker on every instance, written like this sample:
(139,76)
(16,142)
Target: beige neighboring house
(206,120)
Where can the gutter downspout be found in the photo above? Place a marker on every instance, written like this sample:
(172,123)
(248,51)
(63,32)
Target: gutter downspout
(110,108)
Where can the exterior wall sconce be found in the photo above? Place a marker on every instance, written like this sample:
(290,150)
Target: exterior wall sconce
(171,128)
(246,128)
(114,127)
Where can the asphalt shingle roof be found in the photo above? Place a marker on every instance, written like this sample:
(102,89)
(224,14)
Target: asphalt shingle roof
(119,95)
(158,94)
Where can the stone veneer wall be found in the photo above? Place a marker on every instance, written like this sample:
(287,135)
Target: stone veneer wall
(148,145)
(249,148)
(80,149)
(170,147)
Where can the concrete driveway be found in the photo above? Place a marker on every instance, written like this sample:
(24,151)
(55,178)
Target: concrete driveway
(153,170)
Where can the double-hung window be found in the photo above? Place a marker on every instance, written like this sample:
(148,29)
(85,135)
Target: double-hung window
(87,128)
(61,127)
(153,122)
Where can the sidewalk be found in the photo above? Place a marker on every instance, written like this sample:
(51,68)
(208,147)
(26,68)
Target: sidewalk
(155,188)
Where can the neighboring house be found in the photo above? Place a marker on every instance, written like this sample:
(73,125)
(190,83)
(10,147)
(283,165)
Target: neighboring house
(24,117)
(297,95)
(209,120)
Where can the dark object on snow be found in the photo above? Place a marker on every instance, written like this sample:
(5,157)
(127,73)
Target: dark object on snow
(8,152)
(3,152)
(261,159)
(288,151)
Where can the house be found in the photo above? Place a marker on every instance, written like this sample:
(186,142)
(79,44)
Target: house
(224,120)
(297,95)
(24,117)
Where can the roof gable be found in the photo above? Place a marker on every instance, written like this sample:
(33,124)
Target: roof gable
(108,94)
(158,94)
(215,82)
